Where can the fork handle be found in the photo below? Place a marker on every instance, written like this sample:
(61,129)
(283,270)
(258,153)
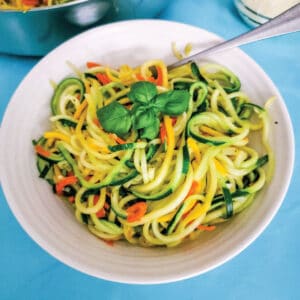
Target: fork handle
(287,22)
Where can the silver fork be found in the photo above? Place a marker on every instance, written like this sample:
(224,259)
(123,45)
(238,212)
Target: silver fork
(287,22)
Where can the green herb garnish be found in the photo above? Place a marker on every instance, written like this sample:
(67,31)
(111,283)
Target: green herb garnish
(115,118)
(148,106)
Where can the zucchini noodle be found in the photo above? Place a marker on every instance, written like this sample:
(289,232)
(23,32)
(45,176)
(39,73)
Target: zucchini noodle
(201,168)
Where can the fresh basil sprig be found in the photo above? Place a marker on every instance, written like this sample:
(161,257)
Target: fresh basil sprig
(115,118)
(146,110)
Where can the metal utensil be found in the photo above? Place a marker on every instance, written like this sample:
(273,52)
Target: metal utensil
(287,22)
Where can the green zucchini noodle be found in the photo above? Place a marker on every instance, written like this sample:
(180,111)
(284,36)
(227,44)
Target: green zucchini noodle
(166,182)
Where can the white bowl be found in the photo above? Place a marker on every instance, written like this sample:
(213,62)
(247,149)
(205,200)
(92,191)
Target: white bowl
(52,225)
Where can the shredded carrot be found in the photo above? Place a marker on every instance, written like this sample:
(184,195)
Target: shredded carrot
(42,151)
(159,79)
(151,79)
(186,214)
(207,227)
(103,78)
(91,64)
(193,189)
(71,199)
(108,242)
(61,184)
(163,133)
(96,122)
(101,213)
(116,138)
(136,211)
(139,77)
(30,2)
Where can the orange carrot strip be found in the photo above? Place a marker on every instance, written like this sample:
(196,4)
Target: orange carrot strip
(193,189)
(136,211)
(91,64)
(101,213)
(108,242)
(103,78)
(60,185)
(151,79)
(163,133)
(71,199)
(140,77)
(116,138)
(207,227)
(42,151)
(185,214)
(30,2)
(159,79)
(96,122)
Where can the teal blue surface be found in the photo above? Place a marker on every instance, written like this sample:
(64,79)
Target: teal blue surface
(268,269)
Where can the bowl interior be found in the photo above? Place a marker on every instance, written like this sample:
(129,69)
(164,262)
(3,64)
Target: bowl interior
(51,223)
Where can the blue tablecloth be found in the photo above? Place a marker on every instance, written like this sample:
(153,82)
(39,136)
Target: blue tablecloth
(268,269)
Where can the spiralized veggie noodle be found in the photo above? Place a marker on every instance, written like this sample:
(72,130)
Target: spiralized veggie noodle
(28,4)
(165,172)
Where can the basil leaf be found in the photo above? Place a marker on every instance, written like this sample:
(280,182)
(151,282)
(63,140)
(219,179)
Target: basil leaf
(142,92)
(144,119)
(115,118)
(172,103)
(137,109)
(151,132)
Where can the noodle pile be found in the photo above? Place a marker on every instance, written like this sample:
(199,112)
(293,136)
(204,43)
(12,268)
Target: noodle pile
(198,171)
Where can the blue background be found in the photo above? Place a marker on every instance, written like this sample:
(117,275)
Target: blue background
(267,269)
